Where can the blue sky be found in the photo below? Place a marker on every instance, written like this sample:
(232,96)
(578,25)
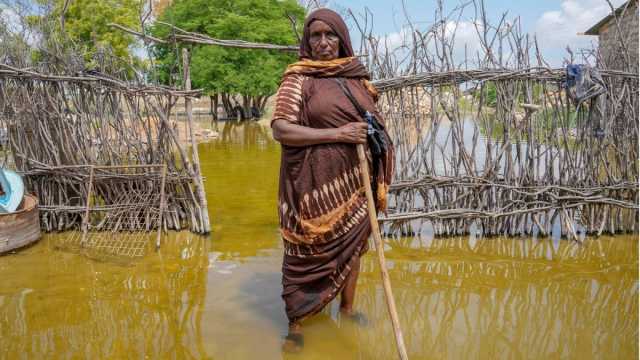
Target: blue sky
(554,22)
(387,13)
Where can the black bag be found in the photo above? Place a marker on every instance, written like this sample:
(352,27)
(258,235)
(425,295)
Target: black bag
(375,131)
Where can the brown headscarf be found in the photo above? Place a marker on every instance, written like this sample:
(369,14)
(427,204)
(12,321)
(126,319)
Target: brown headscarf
(346,65)
(336,23)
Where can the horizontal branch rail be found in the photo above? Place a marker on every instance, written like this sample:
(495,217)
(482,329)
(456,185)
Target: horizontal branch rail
(183,36)
(132,89)
(461,76)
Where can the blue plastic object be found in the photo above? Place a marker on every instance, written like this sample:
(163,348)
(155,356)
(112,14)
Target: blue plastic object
(13,188)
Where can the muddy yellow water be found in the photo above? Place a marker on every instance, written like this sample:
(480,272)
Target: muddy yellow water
(219,297)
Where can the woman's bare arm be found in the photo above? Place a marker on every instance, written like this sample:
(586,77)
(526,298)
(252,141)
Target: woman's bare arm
(297,135)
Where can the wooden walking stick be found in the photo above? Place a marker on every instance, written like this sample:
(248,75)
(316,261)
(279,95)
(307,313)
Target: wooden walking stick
(375,230)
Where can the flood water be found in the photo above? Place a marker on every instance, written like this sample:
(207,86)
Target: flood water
(219,297)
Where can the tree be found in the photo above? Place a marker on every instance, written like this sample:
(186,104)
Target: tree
(14,50)
(158,6)
(84,24)
(241,78)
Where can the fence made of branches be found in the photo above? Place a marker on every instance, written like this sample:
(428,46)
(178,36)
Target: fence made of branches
(489,136)
(492,139)
(58,126)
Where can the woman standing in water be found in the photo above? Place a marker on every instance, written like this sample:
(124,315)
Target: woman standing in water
(322,203)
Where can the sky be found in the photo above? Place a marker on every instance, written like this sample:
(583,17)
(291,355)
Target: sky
(556,23)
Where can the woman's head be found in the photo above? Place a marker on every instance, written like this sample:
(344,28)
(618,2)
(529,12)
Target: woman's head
(325,37)
(323,41)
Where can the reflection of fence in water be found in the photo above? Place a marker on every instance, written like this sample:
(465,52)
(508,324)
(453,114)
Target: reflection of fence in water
(507,297)
(115,311)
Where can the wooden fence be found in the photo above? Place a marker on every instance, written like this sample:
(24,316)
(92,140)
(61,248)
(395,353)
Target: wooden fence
(59,125)
(493,141)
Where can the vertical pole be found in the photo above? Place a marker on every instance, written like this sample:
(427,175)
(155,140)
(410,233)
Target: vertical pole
(85,219)
(162,205)
(199,185)
(375,232)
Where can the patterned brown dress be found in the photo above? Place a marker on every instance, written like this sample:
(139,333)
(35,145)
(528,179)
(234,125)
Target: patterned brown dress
(322,204)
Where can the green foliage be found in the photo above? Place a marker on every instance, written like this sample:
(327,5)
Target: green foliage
(490,94)
(226,70)
(86,24)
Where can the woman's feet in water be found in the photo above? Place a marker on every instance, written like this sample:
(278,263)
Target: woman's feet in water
(294,341)
(357,317)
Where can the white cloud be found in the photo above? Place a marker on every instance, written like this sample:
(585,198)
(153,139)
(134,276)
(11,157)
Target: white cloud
(462,34)
(557,29)
(10,19)
(395,40)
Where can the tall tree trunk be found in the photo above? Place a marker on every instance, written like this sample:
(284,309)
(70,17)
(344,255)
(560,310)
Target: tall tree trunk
(246,107)
(228,106)
(259,103)
(212,108)
(255,104)
(216,102)
(213,102)
(263,103)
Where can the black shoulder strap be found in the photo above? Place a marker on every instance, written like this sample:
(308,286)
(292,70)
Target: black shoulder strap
(350,96)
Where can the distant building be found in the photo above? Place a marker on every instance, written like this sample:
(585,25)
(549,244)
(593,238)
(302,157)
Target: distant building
(610,46)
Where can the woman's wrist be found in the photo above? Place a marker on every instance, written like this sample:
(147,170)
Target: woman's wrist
(334,135)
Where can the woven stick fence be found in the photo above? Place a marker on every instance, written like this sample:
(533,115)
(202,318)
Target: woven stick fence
(530,162)
(501,149)
(58,125)
(491,142)
(61,127)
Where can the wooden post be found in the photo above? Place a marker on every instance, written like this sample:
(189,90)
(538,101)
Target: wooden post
(162,205)
(199,185)
(85,219)
(375,231)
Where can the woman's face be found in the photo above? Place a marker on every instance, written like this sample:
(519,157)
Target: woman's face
(324,42)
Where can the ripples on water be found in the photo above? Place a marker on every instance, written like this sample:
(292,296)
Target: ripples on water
(219,297)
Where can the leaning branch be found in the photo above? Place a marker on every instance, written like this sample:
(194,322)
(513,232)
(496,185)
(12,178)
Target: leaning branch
(144,37)
(180,35)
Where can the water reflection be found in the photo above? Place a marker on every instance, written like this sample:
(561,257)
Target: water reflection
(507,298)
(472,144)
(64,305)
(441,157)
(250,134)
(241,179)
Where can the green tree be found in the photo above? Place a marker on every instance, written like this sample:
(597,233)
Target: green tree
(238,77)
(488,93)
(83,24)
